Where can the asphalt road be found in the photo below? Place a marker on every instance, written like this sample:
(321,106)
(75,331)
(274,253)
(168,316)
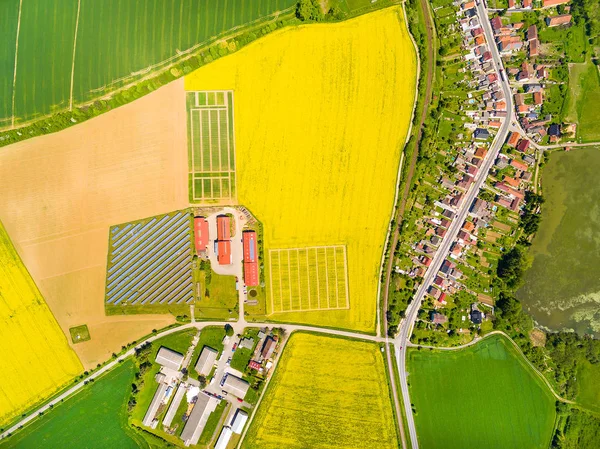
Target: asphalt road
(407,324)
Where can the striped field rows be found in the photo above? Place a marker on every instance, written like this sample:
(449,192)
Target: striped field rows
(310,278)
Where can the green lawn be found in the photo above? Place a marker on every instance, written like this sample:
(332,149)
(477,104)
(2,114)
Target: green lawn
(221,301)
(589,392)
(483,396)
(116,41)
(584,84)
(242,356)
(562,286)
(94,418)
(79,334)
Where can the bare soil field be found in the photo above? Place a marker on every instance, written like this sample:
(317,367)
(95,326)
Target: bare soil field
(62,192)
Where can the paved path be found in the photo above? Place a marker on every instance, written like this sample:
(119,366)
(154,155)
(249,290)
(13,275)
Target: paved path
(406,326)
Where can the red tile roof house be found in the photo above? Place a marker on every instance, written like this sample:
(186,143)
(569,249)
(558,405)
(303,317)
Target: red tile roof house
(513,139)
(511,4)
(552,3)
(496,23)
(534,48)
(532,33)
(511,181)
(558,20)
(518,165)
(538,98)
(527,3)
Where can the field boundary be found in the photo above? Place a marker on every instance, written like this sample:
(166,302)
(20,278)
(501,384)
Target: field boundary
(14,90)
(73,59)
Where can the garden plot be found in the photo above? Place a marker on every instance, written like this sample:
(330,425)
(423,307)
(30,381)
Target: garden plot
(312,278)
(211,145)
(150,261)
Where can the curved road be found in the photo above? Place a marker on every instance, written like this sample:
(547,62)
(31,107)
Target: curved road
(407,324)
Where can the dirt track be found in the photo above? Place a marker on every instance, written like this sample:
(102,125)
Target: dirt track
(62,192)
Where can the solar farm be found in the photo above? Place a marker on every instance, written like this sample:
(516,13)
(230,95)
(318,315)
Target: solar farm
(150,261)
(211,146)
(305,279)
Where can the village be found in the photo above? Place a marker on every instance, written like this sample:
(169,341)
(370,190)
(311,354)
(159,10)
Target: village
(460,304)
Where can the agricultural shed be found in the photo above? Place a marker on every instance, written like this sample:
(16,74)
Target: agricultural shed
(224,252)
(154,405)
(223,227)
(224,438)
(250,258)
(236,386)
(169,358)
(196,422)
(206,361)
(200,233)
(174,405)
(239,421)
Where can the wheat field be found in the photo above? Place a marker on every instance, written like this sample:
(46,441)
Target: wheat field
(321,115)
(36,358)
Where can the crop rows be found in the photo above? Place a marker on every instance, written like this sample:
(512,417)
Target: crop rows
(150,261)
(211,145)
(86,48)
(304,279)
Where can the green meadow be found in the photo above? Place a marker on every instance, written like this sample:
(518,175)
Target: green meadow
(93,418)
(483,396)
(584,97)
(91,47)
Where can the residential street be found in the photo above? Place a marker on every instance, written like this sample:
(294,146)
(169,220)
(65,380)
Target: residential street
(406,325)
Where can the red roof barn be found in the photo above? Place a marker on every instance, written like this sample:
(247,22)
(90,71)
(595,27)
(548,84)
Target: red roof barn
(224,252)
(223,227)
(250,258)
(200,233)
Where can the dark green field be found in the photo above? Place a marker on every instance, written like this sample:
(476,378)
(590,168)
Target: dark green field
(562,287)
(116,41)
(94,418)
(483,396)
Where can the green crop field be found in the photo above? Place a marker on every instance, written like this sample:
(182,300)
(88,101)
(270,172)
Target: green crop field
(483,396)
(562,286)
(313,278)
(587,378)
(584,84)
(88,48)
(79,334)
(211,149)
(94,418)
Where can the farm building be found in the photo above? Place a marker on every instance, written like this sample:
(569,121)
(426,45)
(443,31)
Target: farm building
(196,422)
(268,347)
(200,233)
(174,405)
(223,242)
(206,361)
(236,386)
(168,358)
(161,393)
(224,438)
(247,343)
(252,364)
(239,421)
(250,258)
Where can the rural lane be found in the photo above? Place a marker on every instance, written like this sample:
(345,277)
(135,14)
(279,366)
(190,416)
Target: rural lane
(407,324)
(238,328)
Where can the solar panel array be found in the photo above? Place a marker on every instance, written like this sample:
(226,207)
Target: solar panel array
(150,261)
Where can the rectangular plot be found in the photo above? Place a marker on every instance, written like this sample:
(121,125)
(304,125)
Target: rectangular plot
(311,278)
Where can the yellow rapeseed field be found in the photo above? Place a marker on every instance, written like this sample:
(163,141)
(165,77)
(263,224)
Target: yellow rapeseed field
(36,359)
(321,116)
(326,393)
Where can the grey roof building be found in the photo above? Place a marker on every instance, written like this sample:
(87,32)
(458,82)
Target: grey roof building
(239,421)
(247,343)
(174,405)
(196,422)
(206,361)
(224,438)
(236,386)
(154,405)
(268,347)
(169,358)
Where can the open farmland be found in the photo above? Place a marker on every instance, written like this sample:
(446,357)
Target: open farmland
(63,192)
(318,165)
(32,341)
(303,279)
(211,146)
(326,393)
(95,418)
(561,290)
(481,396)
(150,261)
(77,50)
(584,84)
